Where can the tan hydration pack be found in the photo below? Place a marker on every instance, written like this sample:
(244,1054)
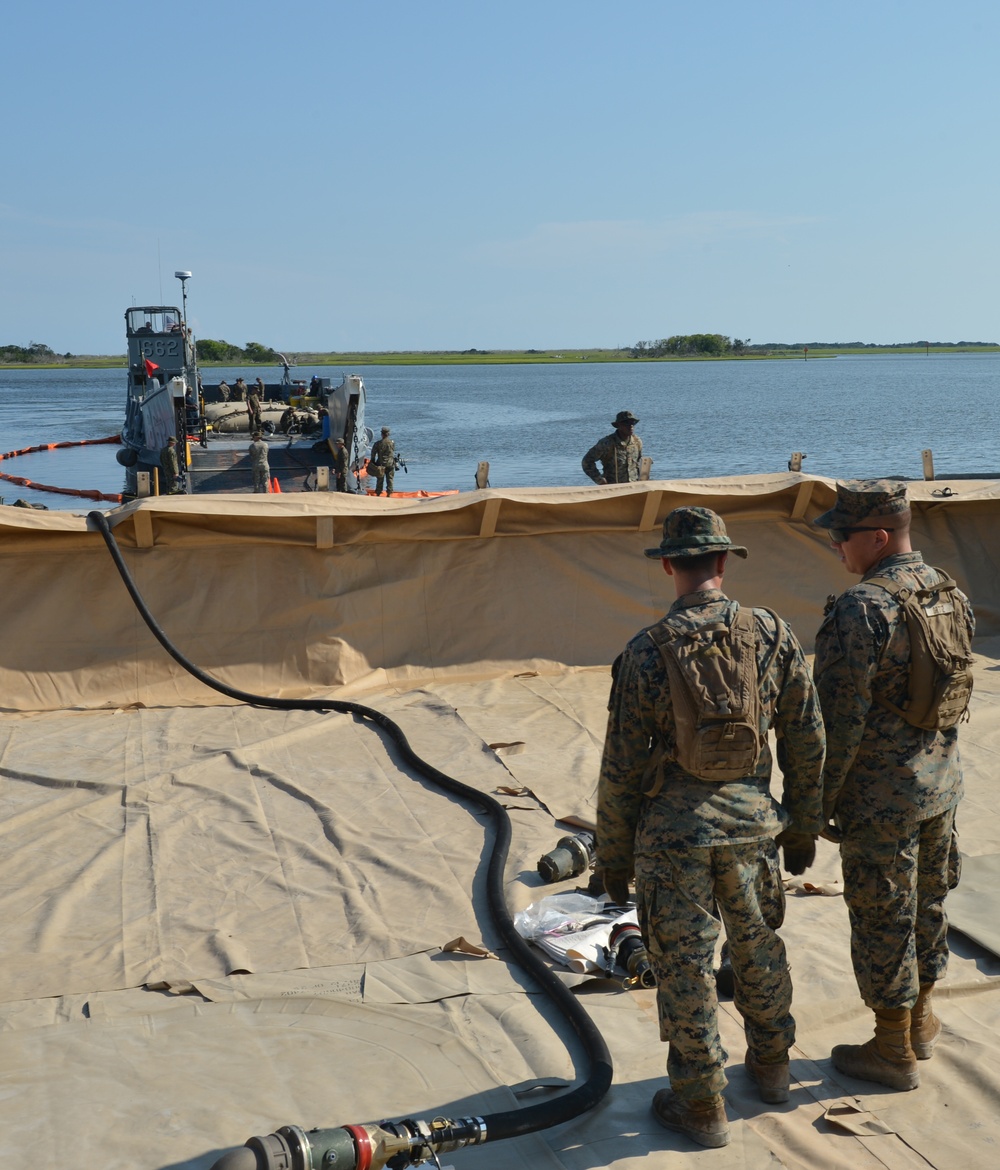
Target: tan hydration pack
(940,683)
(715,693)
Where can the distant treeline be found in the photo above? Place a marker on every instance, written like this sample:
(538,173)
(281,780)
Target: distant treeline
(34,351)
(222,351)
(718,345)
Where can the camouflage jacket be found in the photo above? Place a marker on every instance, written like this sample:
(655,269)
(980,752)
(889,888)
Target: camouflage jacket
(688,812)
(619,459)
(383,453)
(879,769)
(258,454)
(169,461)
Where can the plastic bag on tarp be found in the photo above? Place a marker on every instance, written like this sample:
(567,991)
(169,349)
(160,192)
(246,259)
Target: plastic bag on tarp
(573,929)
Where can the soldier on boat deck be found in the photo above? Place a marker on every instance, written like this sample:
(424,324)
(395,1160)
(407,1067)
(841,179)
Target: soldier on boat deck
(383,460)
(170,466)
(259,464)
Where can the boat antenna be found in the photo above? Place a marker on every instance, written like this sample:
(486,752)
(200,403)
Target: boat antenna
(184,277)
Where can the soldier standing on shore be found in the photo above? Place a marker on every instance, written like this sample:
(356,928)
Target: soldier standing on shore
(618,453)
(703,844)
(890,786)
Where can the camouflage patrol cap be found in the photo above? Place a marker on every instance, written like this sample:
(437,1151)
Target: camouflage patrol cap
(624,418)
(691,532)
(863,499)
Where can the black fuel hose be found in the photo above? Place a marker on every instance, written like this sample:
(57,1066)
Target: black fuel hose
(513,1122)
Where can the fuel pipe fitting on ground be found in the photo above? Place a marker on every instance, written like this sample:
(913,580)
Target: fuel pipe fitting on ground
(625,946)
(405,1143)
(572,855)
(356,1147)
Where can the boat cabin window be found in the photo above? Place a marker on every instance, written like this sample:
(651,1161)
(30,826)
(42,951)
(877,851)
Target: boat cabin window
(143,322)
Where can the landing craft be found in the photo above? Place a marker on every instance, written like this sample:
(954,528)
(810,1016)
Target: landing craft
(166,397)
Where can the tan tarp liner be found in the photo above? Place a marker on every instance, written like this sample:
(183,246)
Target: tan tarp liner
(218,919)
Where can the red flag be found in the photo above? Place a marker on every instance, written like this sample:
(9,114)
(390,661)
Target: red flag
(150,367)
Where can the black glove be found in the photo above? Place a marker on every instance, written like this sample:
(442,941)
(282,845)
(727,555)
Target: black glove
(799,850)
(616,885)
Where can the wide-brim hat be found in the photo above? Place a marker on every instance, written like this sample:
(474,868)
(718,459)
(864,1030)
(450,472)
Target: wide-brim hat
(864,499)
(692,532)
(624,418)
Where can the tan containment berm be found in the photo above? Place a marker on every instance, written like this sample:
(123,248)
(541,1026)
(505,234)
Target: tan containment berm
(321,592)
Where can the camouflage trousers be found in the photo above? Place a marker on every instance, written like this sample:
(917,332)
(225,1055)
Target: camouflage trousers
(896,878)
(681,897)
(389,475)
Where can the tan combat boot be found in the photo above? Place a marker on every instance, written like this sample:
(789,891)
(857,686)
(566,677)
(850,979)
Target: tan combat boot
(887,1058)
(772,1079)
(925,1027)
(703,1119)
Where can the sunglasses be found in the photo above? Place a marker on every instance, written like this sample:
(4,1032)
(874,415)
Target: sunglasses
(840,535)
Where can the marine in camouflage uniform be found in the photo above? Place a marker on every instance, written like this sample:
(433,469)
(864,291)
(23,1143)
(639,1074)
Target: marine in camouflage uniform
(618,453)
(340,463)
(705,851)
(891,788)
(170,466)
(259,464)
(253,407)
(384,460)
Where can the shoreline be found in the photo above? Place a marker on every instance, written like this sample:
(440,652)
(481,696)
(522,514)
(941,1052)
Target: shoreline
(526,357)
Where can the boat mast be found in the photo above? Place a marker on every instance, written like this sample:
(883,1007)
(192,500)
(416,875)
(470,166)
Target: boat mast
(184,277)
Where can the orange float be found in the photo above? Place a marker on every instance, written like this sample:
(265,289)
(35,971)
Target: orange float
(81,493)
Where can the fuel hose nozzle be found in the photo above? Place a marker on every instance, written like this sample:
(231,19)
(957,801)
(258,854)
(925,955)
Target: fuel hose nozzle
(572,855)
(396,1144)
(625,946)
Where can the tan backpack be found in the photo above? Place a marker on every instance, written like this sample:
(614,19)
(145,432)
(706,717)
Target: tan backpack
(715,692)
(940,682)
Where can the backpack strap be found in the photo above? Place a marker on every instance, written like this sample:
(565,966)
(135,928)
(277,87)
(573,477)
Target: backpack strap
(772,654)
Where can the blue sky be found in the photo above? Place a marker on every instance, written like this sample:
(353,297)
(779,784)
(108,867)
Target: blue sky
(444,175)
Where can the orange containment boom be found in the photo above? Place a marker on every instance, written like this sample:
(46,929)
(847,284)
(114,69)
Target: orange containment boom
(82,493)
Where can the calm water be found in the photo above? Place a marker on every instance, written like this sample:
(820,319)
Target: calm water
(853,416)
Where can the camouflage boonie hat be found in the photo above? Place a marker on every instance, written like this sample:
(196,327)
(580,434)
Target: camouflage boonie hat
(861,499)
(691,532)
(623,418)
